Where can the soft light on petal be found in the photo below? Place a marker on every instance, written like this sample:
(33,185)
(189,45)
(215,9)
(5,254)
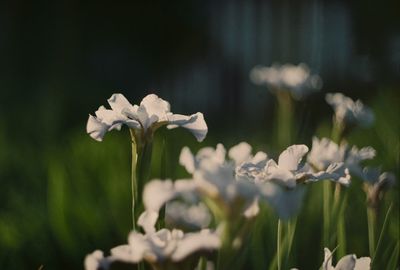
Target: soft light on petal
(193,242)
(147,220)
(240,153)
(291,157)
(195,124)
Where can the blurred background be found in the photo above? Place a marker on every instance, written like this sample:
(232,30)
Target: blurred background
(62,194)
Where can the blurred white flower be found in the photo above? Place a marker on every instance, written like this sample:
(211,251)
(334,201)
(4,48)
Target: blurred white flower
(163,249)
(96,260)
(325,152)
(152,113)
(349,112)
(180,214)
(285,202)
(213,179)
(296,79)
(376,184)
(278,183)
(165,245)
(348,262)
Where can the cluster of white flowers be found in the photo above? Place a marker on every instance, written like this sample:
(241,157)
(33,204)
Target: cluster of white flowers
(298,80)
(229,186)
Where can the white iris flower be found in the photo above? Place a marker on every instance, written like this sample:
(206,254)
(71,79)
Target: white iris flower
(350,112)
(152,113)
(325,152)
(348,262)
(298,80)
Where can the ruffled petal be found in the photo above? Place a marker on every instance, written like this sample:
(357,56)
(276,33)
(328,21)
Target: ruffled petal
(95,128)
(240,152)
(156,106)
(291,157)
(347,262)
(194,242)
(118,103)
(194,123)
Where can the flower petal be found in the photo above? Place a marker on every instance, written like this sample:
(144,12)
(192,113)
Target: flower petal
(240,152)
(279,175)
(147,220)
(193,242)
(95,128)
(194,123)
(156,106)
(347,262)
(291,157)
(118,103)
(363,263)
(187,160)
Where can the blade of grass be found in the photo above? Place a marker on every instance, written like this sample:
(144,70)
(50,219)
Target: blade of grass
(393,261)
(382,232)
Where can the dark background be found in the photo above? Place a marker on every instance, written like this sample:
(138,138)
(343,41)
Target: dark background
(61,193)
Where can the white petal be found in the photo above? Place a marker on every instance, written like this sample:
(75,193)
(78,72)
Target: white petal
(95,128)
(195,124)
(348,262)
(118,102)
(124,253)
(363,263)
(156,193)
(253,209)
(285,202)
(156,106)
(291,157)
(280,175)
(147,221)
(327,264)
(96,260)
(139,245)
(187,160)
(240,152)
(193,242)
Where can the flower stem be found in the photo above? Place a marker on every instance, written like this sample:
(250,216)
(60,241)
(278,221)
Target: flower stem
(341,226)
(134,179)
(371,215)
(141,162)
(285,118)
(278,243)
(326,211)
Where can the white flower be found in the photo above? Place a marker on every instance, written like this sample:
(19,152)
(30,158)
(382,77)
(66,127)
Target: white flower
(348,262)
(325,152)
(213,178)
(279,182)
(165,245)
(96,260)
(296,79)
(184,215)
(350,112)
(152,113)
(376,183)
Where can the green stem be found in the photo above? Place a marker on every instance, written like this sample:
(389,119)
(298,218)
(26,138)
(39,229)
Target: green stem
(326,211)
(141,162)
(291,229)
(341,226)
(134,179)
(285,118)
(278,243)
(371,215)
(382,231)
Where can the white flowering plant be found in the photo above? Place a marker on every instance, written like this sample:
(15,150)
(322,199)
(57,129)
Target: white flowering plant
(208,219)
